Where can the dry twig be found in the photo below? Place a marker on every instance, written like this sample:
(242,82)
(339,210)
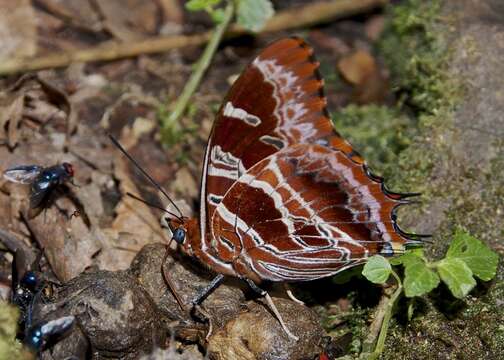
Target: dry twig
(293,18)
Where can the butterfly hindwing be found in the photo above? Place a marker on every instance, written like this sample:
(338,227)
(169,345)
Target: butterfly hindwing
(303,213)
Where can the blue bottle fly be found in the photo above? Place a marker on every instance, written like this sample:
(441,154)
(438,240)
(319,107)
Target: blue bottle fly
(27,290)
(43,180)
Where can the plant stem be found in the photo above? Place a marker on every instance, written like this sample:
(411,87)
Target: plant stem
(380,343)
(201,66)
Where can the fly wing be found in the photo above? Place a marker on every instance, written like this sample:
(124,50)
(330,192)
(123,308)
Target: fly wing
(57,326)
(40,190)
(23,174)
(17,269)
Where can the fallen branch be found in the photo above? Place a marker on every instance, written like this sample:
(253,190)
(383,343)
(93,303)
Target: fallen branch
(288,19)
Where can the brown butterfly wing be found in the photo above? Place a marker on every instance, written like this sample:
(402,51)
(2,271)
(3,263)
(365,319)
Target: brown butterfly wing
(305,212)
(277,101)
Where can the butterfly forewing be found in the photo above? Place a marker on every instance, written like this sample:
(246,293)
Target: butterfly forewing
(276,102)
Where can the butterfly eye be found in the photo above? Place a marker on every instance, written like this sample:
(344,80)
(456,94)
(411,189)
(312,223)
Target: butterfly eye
(179,235)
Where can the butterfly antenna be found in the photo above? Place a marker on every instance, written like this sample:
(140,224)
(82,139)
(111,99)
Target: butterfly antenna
(153,182)
(152,205)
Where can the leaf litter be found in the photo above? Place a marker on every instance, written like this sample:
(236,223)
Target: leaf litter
(61,121)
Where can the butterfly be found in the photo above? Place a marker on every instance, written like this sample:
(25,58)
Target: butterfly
(43,180)
(284,197)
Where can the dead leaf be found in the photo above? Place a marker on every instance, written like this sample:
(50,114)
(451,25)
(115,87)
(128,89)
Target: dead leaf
(360,69)
(79,13)
(58,97)
(133,216)
(36,99)
(374,90)
(18,29)
(142,126)
(122,248)
(172,11)
(129,20)
(332,43)
(374,27)
(356,67)
(185,184)
(69,245)
(10,118)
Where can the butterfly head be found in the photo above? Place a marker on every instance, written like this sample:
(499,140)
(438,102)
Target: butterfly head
(176,227)
(182,230)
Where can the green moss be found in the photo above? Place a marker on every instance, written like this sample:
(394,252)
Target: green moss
(416,54)
(416,162)
(379,133)
(417,57)
(476,332)
(10,348)
(391,139)
(333,82)
(473,328)
(410,157)
(480,214)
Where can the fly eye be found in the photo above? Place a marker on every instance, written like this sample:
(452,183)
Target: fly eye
(69,169)
(179,235)
(30,280)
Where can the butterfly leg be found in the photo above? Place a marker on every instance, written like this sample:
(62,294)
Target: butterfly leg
(207,290)
(204,315)
(272,306)
(291,295)
(202,294)
(168,280)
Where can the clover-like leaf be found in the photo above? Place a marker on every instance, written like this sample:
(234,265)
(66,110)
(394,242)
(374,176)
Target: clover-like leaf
(457,275)
(253,14)
(419,279)
(377,269)
(480,258)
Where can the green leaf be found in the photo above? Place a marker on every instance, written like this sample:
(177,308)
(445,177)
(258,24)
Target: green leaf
(409,256)
(198,5)
(377,269)
(419,279)
(457,275)
(217,15)
(479,257)
(253,14)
